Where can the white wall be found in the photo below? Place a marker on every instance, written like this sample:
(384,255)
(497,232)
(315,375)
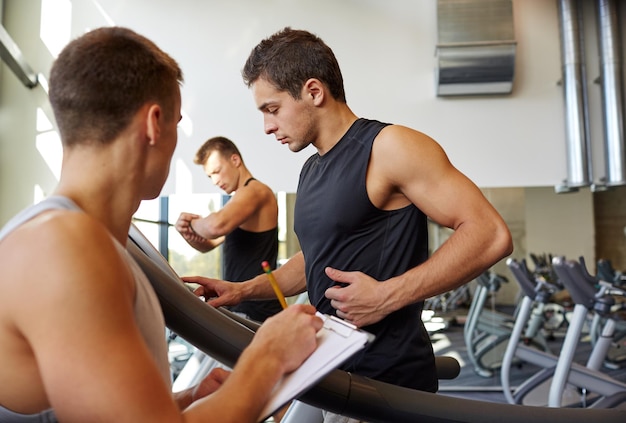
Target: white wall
(387,53)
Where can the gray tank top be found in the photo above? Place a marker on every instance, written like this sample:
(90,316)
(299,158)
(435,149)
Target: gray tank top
(148,314)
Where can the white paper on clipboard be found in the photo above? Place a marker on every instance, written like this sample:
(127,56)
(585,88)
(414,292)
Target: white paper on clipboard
(336,342)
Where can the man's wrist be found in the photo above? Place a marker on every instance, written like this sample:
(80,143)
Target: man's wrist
(193,231)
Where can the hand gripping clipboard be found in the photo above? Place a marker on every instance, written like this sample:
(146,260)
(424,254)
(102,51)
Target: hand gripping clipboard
(337,341)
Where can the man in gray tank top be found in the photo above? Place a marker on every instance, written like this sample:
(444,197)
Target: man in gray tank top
(81,331)
(361,210)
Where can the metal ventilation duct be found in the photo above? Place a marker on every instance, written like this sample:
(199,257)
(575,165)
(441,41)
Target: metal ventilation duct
(612,94)
(575,91)
(476,47)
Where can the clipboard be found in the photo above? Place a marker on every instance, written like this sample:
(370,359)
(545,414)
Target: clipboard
(337,341)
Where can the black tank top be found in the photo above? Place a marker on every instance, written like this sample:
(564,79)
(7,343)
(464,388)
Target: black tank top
(338,226)
(244,251)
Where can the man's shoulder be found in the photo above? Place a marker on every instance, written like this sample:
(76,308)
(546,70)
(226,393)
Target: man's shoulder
(262,190)
(398,138)
(51,257)
(58,241)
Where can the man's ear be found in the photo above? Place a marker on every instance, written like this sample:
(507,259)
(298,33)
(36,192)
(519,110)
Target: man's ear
(154,120)
(235,159)
(313,90)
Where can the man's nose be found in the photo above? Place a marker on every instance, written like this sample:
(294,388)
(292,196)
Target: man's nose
(270,126)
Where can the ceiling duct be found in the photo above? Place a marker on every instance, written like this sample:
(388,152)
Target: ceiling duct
(612,94)
(575,92)
(476,47)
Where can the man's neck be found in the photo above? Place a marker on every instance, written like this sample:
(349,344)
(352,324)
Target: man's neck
(334,124)
(93,191)
(244,177)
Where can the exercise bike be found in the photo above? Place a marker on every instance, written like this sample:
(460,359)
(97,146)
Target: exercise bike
(589,386)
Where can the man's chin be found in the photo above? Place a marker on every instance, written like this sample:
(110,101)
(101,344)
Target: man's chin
(296,147)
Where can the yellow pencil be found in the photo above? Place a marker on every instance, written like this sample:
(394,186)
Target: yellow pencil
(270,276)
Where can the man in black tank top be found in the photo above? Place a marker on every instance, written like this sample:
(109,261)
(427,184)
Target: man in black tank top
(246,227)
(361,209)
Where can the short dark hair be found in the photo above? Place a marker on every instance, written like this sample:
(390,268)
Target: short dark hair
(102,78)
(289,58)
(222,144)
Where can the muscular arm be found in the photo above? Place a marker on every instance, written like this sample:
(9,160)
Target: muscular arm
(448,197)
(251,208)
(409,167)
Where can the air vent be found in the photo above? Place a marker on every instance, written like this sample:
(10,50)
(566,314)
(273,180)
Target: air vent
(476,47)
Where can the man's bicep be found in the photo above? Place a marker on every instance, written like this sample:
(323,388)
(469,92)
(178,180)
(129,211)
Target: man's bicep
(239,209)
(452,200)
(428,179)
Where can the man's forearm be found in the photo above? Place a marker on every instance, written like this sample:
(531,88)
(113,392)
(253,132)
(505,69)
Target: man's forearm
(203,245)
(290,278)
(453,264)
(210,227)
